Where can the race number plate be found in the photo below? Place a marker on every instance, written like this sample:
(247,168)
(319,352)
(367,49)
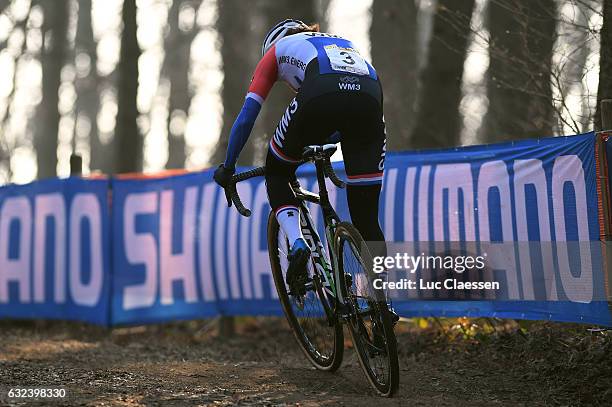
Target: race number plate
(346,60)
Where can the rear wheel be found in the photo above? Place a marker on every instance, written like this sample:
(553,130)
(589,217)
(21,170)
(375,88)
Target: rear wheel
(369,320)
(320,337)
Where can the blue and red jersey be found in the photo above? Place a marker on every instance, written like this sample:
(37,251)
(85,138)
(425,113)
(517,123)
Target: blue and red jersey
(287,61)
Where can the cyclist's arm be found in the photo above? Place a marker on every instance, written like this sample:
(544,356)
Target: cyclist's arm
(264,77)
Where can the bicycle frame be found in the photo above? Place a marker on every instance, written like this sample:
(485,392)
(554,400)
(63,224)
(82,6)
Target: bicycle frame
(328,270)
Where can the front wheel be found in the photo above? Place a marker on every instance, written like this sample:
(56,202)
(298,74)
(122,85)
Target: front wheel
(319,336)
(368,316)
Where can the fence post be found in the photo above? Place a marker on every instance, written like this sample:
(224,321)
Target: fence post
(606,125)
(76,165)
(226,327)
(606,114)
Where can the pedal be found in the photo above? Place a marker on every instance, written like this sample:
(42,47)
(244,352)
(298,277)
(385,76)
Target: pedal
(300,287)
(344,311)
(349,279)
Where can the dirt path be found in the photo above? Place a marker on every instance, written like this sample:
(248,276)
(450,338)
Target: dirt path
(184,364)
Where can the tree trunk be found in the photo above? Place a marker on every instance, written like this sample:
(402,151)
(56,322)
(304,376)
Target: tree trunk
(393,36)
(321,7)
(86,84)
(7,147)
(128,140)
(176,69)
(278,100)
(580,39)
(438,122)
(239,56)
(52,59)
(605,62)
(4,4)
(238,36)
(522,34)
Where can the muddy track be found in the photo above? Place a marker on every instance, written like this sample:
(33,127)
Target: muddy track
(186,364)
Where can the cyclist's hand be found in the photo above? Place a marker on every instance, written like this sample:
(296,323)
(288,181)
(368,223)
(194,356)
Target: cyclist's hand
(223,177)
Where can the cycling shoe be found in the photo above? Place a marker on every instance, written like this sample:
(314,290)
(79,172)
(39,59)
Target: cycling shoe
(297,275)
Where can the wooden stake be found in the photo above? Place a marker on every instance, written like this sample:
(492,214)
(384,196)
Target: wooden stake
(76,165)
(226,327)
(606,114)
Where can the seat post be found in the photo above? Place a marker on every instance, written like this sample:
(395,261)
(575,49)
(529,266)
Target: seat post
(328,211)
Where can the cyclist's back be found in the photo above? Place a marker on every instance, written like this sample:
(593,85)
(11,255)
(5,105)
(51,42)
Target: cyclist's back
(290,56)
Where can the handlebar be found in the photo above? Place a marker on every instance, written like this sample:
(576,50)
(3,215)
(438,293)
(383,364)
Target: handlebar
(328,171)
(255,172)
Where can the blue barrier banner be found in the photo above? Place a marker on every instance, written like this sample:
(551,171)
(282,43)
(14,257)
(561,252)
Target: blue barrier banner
(54,250)
(170,248)
(528,191)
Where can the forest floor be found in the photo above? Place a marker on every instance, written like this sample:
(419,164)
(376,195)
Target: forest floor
(443,363)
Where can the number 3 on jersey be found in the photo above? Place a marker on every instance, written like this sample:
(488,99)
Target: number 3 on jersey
(346,60)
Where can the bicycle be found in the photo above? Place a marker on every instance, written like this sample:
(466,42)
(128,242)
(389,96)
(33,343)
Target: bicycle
(338,289)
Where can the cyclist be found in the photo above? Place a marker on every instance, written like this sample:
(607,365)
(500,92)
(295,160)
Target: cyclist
(338,93)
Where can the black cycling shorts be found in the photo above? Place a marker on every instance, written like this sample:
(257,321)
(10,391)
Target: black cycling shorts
(326,103)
